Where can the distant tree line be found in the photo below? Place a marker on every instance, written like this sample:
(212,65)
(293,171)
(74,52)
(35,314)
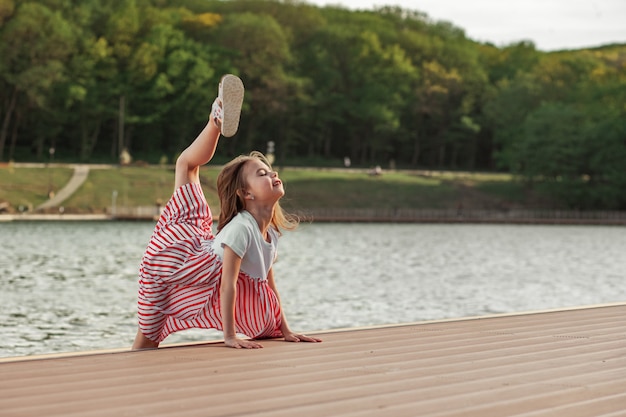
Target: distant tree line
(82,80)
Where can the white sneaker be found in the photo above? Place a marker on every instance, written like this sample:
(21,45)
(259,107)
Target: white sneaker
(226,108)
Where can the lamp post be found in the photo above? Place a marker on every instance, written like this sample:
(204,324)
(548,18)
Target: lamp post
(50,188)
(270,152)
(113,203)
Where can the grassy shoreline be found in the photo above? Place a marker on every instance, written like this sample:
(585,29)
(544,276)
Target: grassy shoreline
(307,188)
(322,195)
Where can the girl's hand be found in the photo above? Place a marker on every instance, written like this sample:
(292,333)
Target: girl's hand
(294,337)
(235,342)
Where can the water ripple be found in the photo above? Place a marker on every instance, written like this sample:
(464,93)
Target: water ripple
(72,286)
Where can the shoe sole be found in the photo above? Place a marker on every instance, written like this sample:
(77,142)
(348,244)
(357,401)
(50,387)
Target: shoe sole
(232,98)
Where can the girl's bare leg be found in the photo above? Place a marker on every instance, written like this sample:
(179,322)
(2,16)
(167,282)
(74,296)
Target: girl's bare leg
(198,153)
(226,110)
(142,342)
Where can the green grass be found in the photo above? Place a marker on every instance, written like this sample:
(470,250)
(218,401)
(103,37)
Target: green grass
(29,187)
(322,189)
(306,188)
(135,186)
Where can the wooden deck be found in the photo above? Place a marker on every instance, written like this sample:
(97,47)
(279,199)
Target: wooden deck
(559,363)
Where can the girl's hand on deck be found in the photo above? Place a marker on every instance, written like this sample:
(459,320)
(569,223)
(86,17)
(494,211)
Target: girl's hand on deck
(237,343)
(294,337)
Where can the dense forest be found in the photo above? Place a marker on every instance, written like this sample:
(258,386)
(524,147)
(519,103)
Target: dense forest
(81,80)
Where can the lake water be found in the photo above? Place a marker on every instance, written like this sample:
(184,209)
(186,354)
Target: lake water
(72,286)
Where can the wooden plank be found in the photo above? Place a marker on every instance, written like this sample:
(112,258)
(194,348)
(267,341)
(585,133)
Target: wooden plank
(537,364)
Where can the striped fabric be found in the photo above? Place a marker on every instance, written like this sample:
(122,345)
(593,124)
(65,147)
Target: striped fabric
(179,277)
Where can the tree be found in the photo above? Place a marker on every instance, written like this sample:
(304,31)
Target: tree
(257,46)
(91,77)
(361,83)
(34,45)
(176,99)
(508,62)
(7,8)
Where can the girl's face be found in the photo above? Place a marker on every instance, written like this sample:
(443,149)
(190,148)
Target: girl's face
(263,184)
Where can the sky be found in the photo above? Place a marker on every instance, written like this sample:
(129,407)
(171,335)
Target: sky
(550,24)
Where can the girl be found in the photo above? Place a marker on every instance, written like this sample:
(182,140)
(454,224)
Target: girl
(191,278)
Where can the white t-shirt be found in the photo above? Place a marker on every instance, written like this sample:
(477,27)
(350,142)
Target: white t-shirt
(243,236)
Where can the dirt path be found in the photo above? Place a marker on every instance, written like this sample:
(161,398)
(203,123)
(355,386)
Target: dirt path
(80,175)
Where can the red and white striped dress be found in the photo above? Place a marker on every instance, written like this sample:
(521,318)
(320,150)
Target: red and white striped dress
(180,275)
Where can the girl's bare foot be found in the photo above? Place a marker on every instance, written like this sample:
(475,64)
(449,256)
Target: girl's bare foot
(226,108)
(142,342)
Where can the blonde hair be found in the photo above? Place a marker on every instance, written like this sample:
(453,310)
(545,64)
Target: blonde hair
(230,187)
